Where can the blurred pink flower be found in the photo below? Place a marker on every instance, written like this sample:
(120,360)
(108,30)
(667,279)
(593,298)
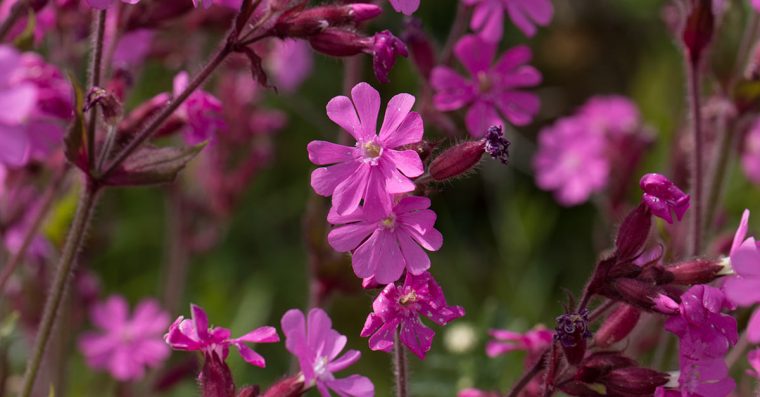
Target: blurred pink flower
(34,98)
(407,7)
(751,153)
(488,16)
(663,197)
(44,20)
(201,111)
(472,392)
(317,345)
(402,306)
(753,357)
(103,4)
(289,63)
(196,335)
(705,336)
(743,288)
(492,92)
(756,4)
(611,116)
(396,239)
(571,161)
(533,342)
(375,167)
(125,345)
(133,48)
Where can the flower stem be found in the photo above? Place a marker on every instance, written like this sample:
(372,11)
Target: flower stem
(550,371)
(60,284)
(146,132)
(400,367)
(528,376)
(96,72)
(16,11)
(698,162)
(458,29)
(31,232)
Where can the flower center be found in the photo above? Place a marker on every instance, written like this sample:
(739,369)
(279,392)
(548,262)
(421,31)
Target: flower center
(411,297)
(320,366)
(389,222)
(372,150)
(484,83)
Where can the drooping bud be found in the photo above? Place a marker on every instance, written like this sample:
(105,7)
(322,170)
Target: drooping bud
(698,30)
(497,146)
(420,46)
(107,102)
(663,197)
(633,381)
(288,387)
(457,160)
(572,333)
(633,232)
(617,326)
(385,48)
(215,378)
(696,271)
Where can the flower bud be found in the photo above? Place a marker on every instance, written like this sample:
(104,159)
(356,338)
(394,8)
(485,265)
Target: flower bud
(288,387)
(338,42)
(144,112)
(663,197)
(644,295)
(215,378)
(420,46)
(698,30)
(249,391)
(304,23)
(599,364)
(108,103)
(633,381)
(457,160)
(385,48)
(572,332)
(617,326)
(695,271)
(633,232)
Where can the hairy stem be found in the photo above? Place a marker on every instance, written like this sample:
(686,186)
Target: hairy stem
(550,371)
(698,161)
(45,204)
(528,376)
(96,72)
(400,369)
(59,288)
(16,12)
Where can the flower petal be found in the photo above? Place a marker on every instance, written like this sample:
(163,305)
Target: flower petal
(341,111)
(352,386)
(395,113)
(367,103)
(475,54)
(325,180)
(322,153)
(348,237)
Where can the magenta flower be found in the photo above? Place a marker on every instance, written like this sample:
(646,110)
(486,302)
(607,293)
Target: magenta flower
(705,336)
(571,161)
(751,153)
(663,197)
(124,346)
(317,346)
(488,17)
(396,239)
(289,63)
(756,4)
(196,335)
(132,48)
(534,342)
(385,49)
(611,116)
(201,111)
(402,306)
(493,92)
(472,392)
(742,288)
(376,166)
(407,7)
(104,4)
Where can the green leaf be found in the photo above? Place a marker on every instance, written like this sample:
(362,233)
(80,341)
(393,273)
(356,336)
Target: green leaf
(153,166)
(9,325)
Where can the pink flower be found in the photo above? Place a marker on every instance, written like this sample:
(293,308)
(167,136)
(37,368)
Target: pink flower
(756,4)
(488,17)
(133,48)
(742,288)
(753,357)
(290,63)
(751,153)
(317,346)
(571,161)
(104,4)
(493,92)
(705,336)
(396,239)
(201,111)
(611,115)
(402,306)
(385,49)
(407,7)
(663,197)
(125,346)
(534,342)
(195,335)
(376,166)
(472,392)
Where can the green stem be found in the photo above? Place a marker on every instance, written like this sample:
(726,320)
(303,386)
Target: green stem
(60,284)
(401,370)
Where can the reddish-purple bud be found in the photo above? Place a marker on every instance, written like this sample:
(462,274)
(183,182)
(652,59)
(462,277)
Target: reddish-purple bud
(339,42)
(572,333)
(633,381)
(420,46)
(385,49)
(215,378)
(698,29)
(457,160)
(695,271)
(288,387)
(107,102)
(617,326)
(599,364)
(663,197)
(644,295)
(633,233)
(364,11)
(304,23)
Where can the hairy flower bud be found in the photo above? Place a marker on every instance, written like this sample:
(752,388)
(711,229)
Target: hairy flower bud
(599,364)
(698,29)
(644,295)
(457,160)
(338,42)
(617,326)
(572,332)
(385,48)
(633,381)
(288,387)
(249,391)
(215,378)
(696,271)
(633,232)
(300,23)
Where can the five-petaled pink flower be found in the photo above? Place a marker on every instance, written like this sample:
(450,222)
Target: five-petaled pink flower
(611,116)
(534,342)
(401,306)
(201,111)
(196,335)
(493,92)
(317,346)
(124,346)
(743,288)
(396,239)
(407,7)
(103,4)
(571,161)
(663,197)
(376,167)
(488,17)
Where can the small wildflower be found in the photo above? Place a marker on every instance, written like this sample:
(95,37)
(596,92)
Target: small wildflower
(663,197)
(402,306)
(534,342)
(385,49)
(201,111)
(488,17)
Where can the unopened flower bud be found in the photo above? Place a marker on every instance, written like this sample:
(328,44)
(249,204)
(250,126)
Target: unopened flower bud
(633,232)
(457,160)
(644,295)
(300,23)
(338,42)
(696,271)
(215,377)
(288,387)
(663,197)
(385,48)
(617,326)
(106,101)
(699,28)
(420,46)
(144,112)
(633,381)
(599,364)
(572,333)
